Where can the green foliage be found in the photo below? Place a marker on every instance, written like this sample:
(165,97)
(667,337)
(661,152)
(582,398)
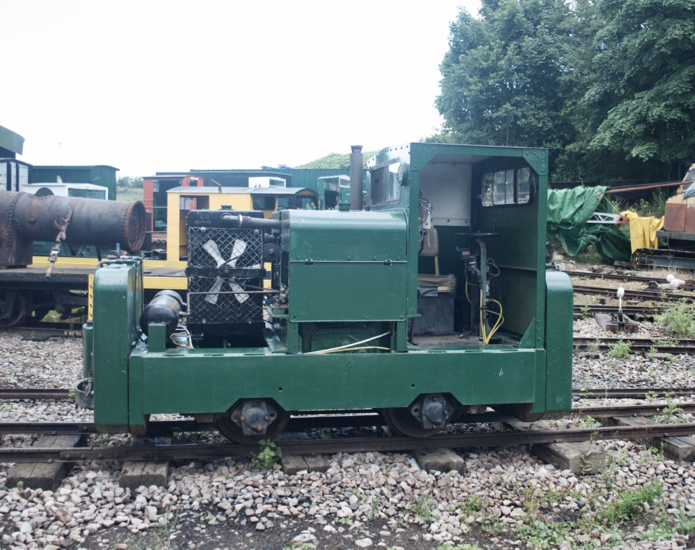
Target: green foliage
(628,505)
(655,206)
(684,524)
(472,505)
(335,160)
(606,85)
(644,78)
(503,76)
(126,181)
(670,410)
(129,188)
(128,193)
(207,517)
(678,320)
(586,311)
(422,508)
(374,507)
(619,349)
(543,534)
(268,457)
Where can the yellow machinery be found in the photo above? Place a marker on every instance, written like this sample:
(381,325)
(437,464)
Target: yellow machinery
(181,200)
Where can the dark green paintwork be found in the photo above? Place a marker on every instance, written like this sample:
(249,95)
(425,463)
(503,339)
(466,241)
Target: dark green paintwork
(558,341)
(97,175)
(349,275)
(118,299)
(331,282)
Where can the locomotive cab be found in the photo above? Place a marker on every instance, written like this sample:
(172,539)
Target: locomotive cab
(428,303)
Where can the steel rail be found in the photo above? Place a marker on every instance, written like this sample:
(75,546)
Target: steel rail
(631,393)
(352,445)
(630,410)
(648,311)
(658,295)
(614,276)
(39,333)
(325,419)
(35,393)
(591,393)
(640,344)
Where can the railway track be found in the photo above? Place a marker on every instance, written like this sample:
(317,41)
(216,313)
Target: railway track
(615,276)
(682,346)
(631,393)
(55,394)
(58,394)
(44,331)
(333,446)
(655,295)
(639,313)
(327,419)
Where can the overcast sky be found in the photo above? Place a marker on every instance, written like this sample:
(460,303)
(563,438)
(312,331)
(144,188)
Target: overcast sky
(171,85)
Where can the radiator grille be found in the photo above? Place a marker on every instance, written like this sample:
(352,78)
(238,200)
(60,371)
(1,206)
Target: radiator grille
(241,249)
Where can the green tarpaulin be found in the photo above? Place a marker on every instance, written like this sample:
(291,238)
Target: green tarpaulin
(568,211)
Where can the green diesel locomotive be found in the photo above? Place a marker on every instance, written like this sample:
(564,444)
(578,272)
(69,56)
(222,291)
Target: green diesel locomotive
(429,300)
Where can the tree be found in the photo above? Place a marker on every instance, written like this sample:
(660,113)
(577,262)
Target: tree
(132,182)
(606,85)
(640,102)
(336,160)
(505,79)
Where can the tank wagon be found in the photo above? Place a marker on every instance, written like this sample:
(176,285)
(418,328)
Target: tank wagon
(427,301)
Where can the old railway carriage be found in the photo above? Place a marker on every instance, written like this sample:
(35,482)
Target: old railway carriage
(429,302)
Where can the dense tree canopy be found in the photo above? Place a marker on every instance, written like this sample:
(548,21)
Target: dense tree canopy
(606,85)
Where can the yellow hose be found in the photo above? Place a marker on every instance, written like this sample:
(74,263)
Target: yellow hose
(500,319)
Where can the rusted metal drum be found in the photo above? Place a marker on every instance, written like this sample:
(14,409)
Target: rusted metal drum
(89,221)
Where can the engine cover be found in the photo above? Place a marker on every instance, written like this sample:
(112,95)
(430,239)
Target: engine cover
(345,266)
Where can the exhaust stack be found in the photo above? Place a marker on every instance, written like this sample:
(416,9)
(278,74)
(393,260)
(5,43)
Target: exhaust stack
(356,180)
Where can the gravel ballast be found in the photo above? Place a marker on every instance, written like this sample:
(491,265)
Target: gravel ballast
(506,499)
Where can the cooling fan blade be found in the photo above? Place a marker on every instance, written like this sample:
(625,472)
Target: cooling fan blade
(211,248)
(237,250)
(241,297)
(214,291)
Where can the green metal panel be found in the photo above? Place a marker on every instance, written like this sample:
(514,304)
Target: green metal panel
(10,141)
(558,341)
(347,291)
(97,175)
(309,177)
(346,266)
(198,382)
(117,308)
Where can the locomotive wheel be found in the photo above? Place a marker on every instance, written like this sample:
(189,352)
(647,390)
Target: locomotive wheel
(402,422)
(232,431)
(19,311)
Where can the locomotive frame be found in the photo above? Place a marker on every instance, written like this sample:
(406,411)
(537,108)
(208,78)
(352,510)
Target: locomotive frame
(345,291)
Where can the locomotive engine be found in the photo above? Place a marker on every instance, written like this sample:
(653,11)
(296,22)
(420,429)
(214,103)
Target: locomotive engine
(429,302)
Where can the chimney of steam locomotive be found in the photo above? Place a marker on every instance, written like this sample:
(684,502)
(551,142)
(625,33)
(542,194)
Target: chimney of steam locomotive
(356,183)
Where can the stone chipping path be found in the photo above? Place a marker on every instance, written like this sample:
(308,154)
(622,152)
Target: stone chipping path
(506,499)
